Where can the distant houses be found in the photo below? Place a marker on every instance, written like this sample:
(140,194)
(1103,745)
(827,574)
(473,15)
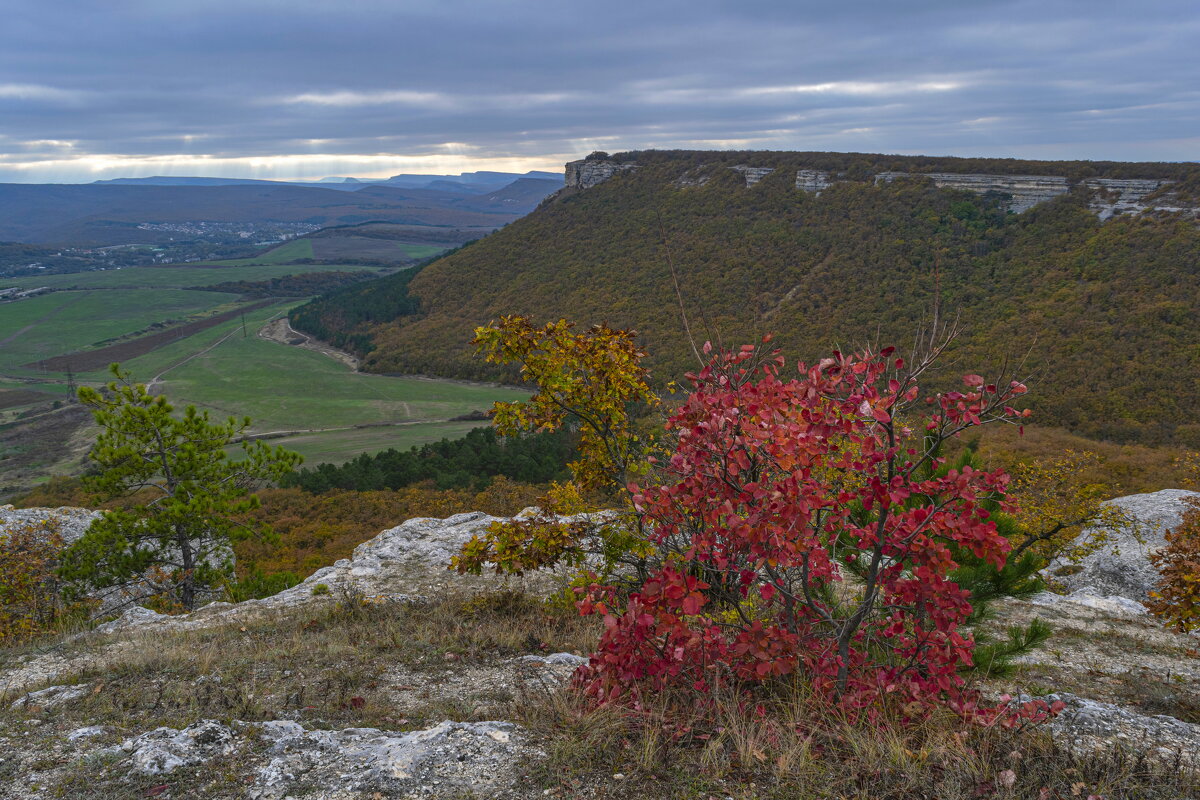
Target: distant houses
(14,293)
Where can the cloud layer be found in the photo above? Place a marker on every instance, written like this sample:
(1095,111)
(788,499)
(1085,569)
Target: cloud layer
(266,88)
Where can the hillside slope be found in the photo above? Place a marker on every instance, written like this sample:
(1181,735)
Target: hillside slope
(1105,310)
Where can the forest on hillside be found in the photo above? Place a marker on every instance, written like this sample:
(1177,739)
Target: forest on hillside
(1101,317)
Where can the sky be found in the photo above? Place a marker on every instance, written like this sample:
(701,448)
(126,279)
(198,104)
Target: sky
(302,89)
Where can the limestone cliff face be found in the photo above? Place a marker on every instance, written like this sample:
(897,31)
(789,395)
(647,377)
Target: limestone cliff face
(586,173)
(812,180)
(753,174)
(1114,196)
(1026,190)
(1109,196)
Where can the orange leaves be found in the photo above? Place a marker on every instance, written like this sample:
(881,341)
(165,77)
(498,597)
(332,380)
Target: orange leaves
(29,590)
(1177,598)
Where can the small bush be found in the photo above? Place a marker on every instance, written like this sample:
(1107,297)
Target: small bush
(1176,601)
(31,602)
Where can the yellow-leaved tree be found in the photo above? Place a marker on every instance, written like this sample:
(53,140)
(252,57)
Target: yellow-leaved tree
(594,381)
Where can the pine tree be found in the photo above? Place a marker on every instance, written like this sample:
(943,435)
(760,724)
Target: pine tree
(185,492)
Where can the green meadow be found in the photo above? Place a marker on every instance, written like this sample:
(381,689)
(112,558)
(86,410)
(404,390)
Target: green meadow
(284,253)
(176,276)
(331,412)
(63,322)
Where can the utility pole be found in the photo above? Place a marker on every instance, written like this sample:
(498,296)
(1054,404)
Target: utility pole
(243,324)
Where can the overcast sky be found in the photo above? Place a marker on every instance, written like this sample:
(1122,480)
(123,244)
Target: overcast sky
(370,88)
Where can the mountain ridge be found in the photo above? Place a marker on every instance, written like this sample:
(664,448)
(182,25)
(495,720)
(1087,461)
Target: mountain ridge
(1104,311)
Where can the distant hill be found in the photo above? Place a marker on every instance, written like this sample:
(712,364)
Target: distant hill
(464,183)
(110,214)
(472,182)
(165,180)
(829,249)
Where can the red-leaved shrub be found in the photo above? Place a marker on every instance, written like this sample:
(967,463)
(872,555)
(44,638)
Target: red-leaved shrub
(806,527)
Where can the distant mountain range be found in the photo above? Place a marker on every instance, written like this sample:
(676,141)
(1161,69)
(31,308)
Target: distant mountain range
(162,209)
(466,182)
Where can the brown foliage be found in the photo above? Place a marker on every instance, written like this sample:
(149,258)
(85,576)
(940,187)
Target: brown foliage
(1177,599)
(316,530)
(30,603)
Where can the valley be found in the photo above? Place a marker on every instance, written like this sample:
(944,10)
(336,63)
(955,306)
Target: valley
(194,332)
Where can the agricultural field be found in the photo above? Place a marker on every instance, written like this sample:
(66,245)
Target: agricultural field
(334,248)
(50,325)
(175,276)
(283,254)
(203,348)
(320,402)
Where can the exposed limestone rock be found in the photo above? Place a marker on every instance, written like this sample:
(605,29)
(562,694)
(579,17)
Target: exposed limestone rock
(752,174)
(1127,572)
(586,173)
(555,659)
(1112,604)
(394,566)
(812,180)
(164,750)
(1088,726)
(1026,190)
(52,696)
(131,618)
(86,732)
(445,760)
(1114,196)
(72,522)
(698,176)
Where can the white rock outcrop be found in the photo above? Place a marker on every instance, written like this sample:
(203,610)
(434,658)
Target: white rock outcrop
(72,523)
(752,174)
(1026,191)
(1089,726)
(1114,196)
(812,180)
(586,173)
(164,750)
(479,757)
(1122,568)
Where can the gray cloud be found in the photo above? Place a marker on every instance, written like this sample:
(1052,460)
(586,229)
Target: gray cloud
(304,88)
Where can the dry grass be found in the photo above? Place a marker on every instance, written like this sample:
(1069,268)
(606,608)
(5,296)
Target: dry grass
(343,664)
(798,749)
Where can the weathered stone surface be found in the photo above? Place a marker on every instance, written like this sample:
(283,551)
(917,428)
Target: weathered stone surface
(449,758)
(52,696)
(1112,604)
(72,522)
(1114,196)
(812,180)
(1026,190)
(86,732)
(1088,726)
(446,760)
(753,174)
(1123,567)
(586,173)
(164,750)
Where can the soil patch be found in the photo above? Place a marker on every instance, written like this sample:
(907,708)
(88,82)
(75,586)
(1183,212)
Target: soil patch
(89,360)
(11,398)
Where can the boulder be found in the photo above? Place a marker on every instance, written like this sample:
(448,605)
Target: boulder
(1089,726)
(1122,568)
(164,750)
